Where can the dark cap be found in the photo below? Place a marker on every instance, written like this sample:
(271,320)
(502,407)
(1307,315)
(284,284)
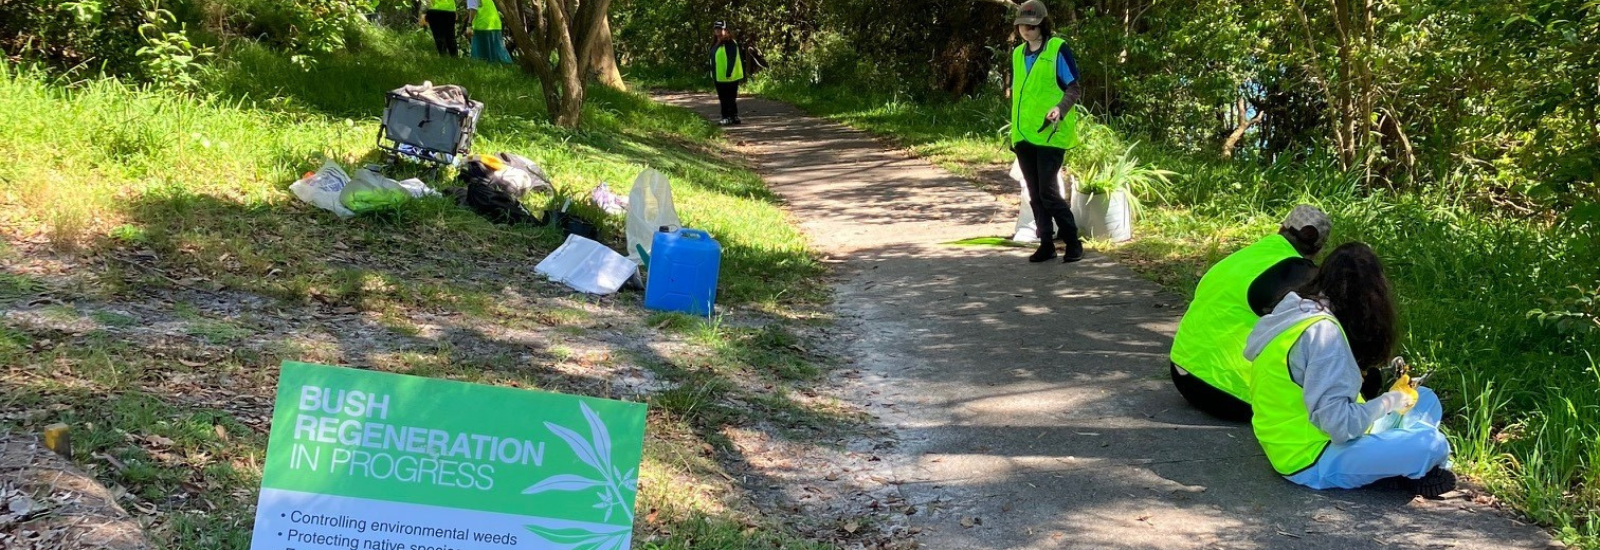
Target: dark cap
(1031,12)
(721,26)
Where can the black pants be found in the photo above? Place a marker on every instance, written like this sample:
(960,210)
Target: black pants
(1040,168)
(443,25)
(1213,401)
(728,95)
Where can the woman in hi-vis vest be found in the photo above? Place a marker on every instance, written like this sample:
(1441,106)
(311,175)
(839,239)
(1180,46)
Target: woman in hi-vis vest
(486,31)
(1306,360)
(1044,88)
(727,70)
(441,20)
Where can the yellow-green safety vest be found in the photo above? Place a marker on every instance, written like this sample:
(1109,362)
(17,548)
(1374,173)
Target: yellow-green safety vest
(1211,337)
(1281,422)
(443,5)
(722,65)
(1033,94)
(488,18)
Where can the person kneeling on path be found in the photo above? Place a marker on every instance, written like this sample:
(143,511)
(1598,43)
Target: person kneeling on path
(1044,88)
(1208,365)
(486,32)
(1306,360)
(727,65)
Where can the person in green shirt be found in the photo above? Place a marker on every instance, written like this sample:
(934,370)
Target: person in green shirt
(487,33)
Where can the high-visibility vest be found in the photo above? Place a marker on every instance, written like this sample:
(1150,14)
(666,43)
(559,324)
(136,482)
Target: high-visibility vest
(488,18)
(722,65)
(443,5)
(1211,337)
(1281,422)
(1033,94)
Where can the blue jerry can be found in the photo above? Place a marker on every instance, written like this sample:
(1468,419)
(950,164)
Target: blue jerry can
(683,272)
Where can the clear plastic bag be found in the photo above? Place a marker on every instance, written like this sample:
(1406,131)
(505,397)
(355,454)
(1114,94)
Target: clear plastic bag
(370,191)
(649,209)
(323,188)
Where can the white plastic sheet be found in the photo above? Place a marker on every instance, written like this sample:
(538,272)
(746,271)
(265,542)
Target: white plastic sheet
(649,208)
(587,266)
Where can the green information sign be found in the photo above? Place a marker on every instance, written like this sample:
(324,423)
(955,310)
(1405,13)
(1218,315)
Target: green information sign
(370,460)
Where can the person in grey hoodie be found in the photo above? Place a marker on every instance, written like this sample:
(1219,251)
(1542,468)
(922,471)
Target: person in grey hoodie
(1307,359)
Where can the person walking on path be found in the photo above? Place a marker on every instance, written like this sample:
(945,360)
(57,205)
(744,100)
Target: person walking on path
(727,65)
(441,21)
(486,32)
(1208,365)
(1307,358)
(1044,88)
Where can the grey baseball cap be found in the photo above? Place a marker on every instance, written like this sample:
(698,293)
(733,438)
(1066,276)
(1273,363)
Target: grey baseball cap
(1306,215)
(1032,12)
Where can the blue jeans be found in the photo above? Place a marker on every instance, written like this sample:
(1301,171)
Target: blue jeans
(1411,450)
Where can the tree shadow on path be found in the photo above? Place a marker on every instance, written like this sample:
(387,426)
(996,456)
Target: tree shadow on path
(1032,401)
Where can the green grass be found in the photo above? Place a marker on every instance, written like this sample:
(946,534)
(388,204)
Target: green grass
(116,193)
(200,181)
(1523,396)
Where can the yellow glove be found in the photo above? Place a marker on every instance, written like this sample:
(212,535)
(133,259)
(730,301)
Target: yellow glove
(1403,385)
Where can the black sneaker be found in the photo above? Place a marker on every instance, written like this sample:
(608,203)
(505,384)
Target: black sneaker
(1046,251)
(1074,251)
(1438,481)
(737,121)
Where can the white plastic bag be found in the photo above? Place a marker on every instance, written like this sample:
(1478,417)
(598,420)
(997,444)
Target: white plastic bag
(649,208)
(1027,231)
(322,189)
(417,188)
(587,266)
(1105,216)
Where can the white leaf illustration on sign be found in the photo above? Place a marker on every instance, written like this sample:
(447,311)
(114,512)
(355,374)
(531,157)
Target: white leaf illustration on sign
(596,452)
(600,436)
(563,482)
(584,449)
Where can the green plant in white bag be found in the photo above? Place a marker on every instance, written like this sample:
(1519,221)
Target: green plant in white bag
(1125,174)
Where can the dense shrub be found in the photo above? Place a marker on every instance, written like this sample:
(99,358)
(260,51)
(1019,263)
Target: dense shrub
(104,36)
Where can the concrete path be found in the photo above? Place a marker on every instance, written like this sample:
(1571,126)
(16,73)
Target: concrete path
(1032,400)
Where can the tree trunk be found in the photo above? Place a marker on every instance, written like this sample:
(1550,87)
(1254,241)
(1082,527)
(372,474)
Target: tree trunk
(570,114)
(1244,125)
(559,29)
(603,57)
